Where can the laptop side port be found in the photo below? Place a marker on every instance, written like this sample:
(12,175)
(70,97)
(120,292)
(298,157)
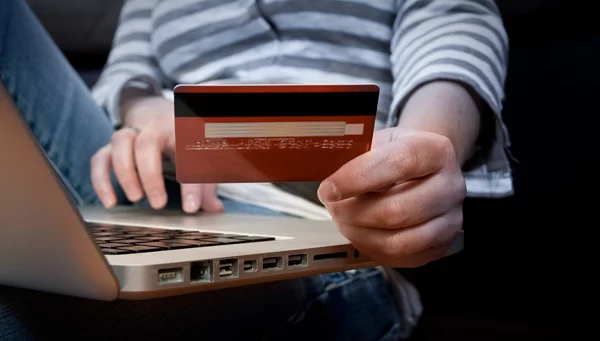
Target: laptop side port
(249,266)
(271,263)
(297,260)
(228,268)
(170,276)
(335,255)
(201,272)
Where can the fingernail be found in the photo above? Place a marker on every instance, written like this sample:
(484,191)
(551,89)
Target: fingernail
(191,204)
(328,191)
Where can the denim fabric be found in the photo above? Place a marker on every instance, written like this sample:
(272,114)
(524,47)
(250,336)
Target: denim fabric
(354,305)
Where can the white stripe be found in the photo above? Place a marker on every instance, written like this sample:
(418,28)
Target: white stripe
(188,52)
(404,48)
(348,54)
(387,5)
(305,75)
(437,9)
(198,20)
(333,23)
(128,69)
(131,6)
(275,129)
(494,186)
(130,49)
(234,62)
(166,7)
(137,25)
(445,41)
(459,55)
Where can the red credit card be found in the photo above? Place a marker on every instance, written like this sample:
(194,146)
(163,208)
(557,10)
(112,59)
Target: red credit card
(270,133)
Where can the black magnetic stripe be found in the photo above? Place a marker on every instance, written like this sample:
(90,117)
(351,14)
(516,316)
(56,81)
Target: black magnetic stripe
(276,104)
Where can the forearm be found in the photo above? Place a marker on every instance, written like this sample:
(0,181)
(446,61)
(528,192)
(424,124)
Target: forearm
(446,108)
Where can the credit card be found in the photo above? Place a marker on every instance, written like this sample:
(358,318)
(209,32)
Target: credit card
(270,133)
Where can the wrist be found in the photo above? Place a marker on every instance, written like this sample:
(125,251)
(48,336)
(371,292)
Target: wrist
(445,108)
(136,110)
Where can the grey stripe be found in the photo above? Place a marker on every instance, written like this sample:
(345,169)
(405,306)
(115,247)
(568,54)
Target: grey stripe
(353,9)
(485,41)
(336,38)
(415,6)
(225,51)
(498,74)
(342,68)
(195,7)
(467,49)
(475,21)
(204,31)
(137,14)
(136,36)
(462,64)
(134,58)
(449,8)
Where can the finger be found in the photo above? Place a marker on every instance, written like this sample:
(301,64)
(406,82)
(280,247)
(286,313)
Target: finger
(148,157)
(191,197)
(406,158)
(124,163)
(396,247)
(422,258)
(100,176)
(404,205)
(210,200)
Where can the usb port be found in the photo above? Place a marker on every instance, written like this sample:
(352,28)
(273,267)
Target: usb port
(249,266)
(170,276)
(296,260)
(271,263)
(228,268)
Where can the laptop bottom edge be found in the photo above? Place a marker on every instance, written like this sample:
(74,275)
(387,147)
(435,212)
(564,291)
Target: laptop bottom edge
(140,282)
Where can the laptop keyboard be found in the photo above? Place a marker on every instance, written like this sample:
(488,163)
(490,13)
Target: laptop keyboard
(121,240)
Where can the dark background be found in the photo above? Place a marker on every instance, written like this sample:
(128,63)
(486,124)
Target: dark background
(524,271)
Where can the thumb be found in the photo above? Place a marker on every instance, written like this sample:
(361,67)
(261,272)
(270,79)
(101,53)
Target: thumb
(191,197)
(210,200)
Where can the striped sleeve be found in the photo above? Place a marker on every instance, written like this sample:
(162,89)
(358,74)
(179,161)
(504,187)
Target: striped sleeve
(131,63)
(458,40)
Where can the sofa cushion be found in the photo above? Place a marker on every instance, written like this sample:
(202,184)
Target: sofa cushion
(79,26)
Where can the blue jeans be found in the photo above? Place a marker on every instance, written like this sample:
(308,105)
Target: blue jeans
(70,127)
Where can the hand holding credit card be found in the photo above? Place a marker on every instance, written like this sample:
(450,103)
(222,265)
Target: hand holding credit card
(270,133)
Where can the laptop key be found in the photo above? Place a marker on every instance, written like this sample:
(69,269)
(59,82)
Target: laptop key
(111,245)
(137,233)
(115,252)
(139,248)
(169,245)
(256,238)
(131,241)
(194,242)
(109,239)
(225,240)
(104,234)
(150,238)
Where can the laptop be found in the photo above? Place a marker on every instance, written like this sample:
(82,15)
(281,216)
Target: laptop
(49,244)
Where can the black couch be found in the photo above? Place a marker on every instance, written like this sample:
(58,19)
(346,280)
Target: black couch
(520,273)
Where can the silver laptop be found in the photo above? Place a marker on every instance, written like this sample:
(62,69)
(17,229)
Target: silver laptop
(49,244)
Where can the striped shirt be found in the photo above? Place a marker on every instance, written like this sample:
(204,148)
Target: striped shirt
(397,44)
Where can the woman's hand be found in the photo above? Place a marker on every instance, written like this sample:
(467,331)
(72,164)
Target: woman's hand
(135,153)
(400,203)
